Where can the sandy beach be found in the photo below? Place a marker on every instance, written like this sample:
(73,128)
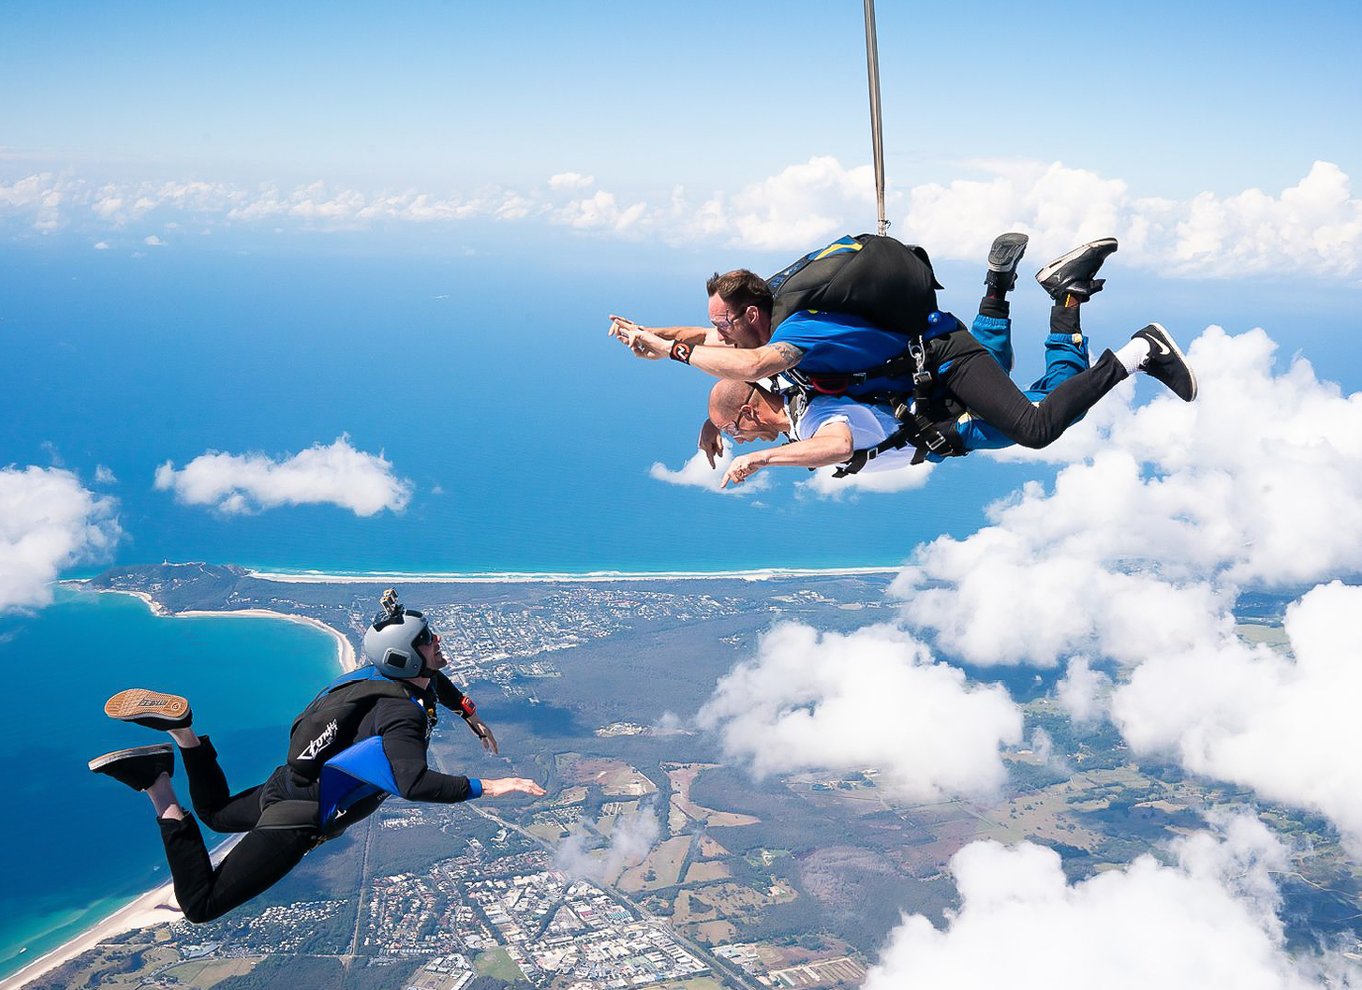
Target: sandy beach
(155,907)
(345,650)
(557,577)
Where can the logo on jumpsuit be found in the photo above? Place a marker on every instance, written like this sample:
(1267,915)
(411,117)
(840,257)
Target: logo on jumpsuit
(321,742)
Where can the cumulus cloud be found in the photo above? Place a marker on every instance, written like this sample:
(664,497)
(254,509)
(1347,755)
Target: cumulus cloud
(151,240)
(1138,553)
(1313,227)
(337,474)
(1208,919)
(1284,725)
(48,521)
(631,839)
(873,698)
(1171,508)
(696,473)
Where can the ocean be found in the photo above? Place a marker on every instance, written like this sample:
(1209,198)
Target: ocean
(75,846)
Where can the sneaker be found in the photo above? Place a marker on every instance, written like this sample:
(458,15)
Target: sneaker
(1072,274)
(150,708)
(138,767)
(1166,362)
(1003,258)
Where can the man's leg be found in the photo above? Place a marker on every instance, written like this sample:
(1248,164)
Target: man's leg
(260,860)
(221,810)
(1066,355)
(252,866)
(993,326)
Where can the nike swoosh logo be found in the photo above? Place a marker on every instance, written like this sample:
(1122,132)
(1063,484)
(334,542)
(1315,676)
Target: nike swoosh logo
(1164,349)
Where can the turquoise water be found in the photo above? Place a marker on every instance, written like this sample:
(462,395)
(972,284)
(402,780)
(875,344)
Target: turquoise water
(75,846)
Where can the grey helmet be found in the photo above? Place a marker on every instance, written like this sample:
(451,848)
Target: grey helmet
(391,640)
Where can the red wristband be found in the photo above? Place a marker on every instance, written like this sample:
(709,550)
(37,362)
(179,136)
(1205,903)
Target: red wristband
(468,707)
(680,352)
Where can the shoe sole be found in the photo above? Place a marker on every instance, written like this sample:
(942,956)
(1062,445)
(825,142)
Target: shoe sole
(1167,338)
(135,703)
(1005,255)
(124,754)
(1060,262)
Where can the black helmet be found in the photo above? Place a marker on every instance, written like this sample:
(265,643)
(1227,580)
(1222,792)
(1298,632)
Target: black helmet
(391,641)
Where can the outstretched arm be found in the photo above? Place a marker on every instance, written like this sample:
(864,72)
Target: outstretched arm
(737,363)
(621,327)
(832,444)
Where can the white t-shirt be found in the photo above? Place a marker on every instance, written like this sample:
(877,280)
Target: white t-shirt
(868,424)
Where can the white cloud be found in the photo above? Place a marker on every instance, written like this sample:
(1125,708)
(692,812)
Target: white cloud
(48,522)
(1207,920)
(151,240)
(1313,227)
(101,245)
(1173,508)
(1138,553)
(1084,692)
(903,479)
(337,474)
(873,698)
(696,473)
(104,475)
(571,180)
(631,839)
(1284,726)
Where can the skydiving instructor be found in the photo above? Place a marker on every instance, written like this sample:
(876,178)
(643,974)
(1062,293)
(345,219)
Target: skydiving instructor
(361,740)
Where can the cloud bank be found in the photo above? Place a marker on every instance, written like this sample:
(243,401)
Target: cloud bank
(1209,919)
(1313,227)
(337,474)
(48,522)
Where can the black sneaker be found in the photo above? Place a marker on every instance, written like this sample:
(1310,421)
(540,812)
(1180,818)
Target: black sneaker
(1003,258)
(1166,362)
(138,767)
(150,708)
(1072,274)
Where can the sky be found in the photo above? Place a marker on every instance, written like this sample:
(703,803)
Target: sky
(621,146)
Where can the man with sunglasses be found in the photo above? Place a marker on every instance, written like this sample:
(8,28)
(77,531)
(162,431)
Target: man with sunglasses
(362,739)
(848,356)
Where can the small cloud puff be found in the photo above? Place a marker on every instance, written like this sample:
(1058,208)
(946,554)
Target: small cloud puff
(696,473)
(337,474)
(631,839)
(48,521)
(151,240)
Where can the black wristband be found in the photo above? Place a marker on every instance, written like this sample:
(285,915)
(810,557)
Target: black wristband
(681,351)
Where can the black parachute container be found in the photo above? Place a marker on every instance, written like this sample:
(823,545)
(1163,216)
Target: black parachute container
(871,276)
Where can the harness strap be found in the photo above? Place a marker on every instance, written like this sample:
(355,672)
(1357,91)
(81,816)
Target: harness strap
(918,432)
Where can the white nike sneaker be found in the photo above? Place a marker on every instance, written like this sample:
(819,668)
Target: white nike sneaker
(1166,362)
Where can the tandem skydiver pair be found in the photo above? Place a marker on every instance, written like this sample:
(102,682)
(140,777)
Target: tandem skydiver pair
(362,739)
(846,352)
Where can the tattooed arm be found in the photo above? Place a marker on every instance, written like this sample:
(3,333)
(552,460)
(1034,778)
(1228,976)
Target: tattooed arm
(743,364)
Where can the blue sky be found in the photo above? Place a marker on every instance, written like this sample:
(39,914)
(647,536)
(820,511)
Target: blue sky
(1172,99)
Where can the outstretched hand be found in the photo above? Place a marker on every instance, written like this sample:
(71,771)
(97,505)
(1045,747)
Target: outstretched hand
(644,343)
(711,442)
(743,467)
(484,732)
(498,786)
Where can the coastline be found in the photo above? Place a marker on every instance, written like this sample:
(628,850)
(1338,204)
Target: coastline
(155,907)
(345,650)
(562,577)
